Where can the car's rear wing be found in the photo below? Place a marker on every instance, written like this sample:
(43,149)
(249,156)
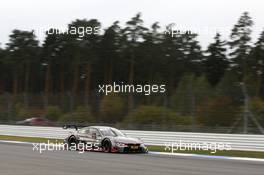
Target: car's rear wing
(74,126)
(68,126)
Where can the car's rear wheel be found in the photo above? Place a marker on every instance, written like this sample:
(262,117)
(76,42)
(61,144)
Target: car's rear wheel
(107,146)
(72,143)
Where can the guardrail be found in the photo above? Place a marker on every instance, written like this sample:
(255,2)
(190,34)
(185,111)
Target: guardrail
(241,142)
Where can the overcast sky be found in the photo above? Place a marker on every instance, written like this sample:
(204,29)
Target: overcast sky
(202,15)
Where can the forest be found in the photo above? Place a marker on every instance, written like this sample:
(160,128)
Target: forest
(58,78)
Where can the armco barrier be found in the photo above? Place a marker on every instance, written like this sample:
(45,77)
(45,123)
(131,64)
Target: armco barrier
(237,141)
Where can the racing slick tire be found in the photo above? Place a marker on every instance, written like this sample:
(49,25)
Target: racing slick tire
(107,146)
(71,142)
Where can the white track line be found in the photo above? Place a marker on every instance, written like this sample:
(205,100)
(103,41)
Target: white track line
(208,156)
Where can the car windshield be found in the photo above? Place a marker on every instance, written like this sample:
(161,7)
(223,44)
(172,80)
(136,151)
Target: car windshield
(118,133)
(111,132)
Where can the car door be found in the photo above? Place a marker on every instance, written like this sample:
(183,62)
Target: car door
(85,135)
(96,136)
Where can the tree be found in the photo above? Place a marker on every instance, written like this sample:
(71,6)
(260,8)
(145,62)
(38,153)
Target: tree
(53,113)
(257,64)
(51,53)
(193,57)
(151,115)
(85,50)
(133,33)
(2,67)
(216,62)
(112,108)
(229,86)
(240,45)
(190,93)
(172,58)
(109,49)
(150,60)
(81,115)
(75,62)
(23,53)
(219,111)
(257,107)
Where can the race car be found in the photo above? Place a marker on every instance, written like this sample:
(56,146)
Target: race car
(106,139)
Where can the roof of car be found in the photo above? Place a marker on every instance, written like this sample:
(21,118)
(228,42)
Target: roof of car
(101,127)
(98,127)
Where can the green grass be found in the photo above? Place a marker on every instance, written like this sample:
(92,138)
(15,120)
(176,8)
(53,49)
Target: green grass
(232,153)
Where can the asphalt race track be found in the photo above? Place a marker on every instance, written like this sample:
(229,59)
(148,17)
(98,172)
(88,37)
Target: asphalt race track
(21,160)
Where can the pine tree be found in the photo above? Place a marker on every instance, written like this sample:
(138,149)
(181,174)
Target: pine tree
(173,58)
(240,45)
(216,62)
(110,45)
(133,34)
(23,53)
(2,69)
(85,50)
(50,53)
(193,56)
(257,63)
